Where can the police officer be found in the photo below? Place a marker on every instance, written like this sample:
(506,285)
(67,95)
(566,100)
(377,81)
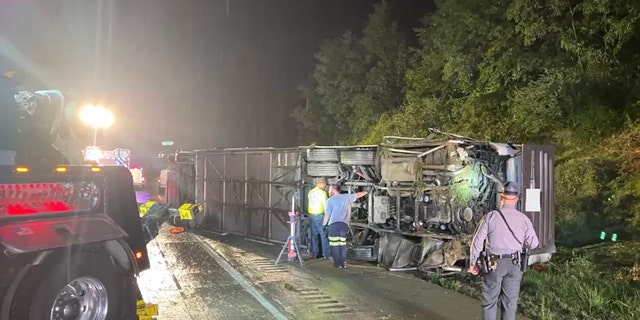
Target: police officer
(507,232)
(317,199)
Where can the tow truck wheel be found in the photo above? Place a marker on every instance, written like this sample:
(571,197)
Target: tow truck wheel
(80,288)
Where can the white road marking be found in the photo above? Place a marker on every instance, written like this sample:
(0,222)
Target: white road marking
(259,241)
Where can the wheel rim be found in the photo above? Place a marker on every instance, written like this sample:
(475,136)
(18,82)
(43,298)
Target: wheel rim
(83,298)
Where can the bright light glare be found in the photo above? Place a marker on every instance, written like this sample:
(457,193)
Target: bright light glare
(97,116)
(92,154)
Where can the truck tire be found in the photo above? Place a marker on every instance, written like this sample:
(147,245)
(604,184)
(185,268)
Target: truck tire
(83,287)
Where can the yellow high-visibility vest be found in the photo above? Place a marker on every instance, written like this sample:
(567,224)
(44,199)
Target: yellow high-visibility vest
(188,209)
(317,201)
(145,207)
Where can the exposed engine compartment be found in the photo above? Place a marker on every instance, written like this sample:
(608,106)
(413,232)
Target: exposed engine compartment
(427,195)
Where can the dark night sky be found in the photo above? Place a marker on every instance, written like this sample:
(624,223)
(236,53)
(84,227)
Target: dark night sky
(183,70)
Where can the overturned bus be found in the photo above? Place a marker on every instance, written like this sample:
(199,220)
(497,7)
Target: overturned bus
(429,193)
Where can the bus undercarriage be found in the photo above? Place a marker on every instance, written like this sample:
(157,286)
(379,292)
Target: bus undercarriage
(429,193)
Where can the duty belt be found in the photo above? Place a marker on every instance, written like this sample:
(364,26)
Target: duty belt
(514,257)
(505,256)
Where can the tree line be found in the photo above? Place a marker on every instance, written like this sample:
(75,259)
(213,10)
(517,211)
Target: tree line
(561,72)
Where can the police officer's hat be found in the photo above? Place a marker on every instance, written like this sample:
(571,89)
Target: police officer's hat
(511,188)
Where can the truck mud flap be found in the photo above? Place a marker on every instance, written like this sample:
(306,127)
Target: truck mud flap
(37,235)
(397,251)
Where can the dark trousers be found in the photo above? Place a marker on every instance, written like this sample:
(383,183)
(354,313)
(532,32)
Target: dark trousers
(504,282)
(317,230)
(338,242)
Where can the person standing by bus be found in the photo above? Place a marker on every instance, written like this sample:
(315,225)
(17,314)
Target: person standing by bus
(337,216)
(317,199)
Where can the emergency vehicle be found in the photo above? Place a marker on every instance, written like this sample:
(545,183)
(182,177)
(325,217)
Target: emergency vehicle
(116,157)
(71,239)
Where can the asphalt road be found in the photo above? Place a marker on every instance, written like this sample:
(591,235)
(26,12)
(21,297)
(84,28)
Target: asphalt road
(187,282)
(214,276)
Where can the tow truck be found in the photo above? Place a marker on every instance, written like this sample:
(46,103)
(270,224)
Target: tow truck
(71,237)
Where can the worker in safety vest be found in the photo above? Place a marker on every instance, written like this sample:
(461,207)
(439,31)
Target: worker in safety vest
(317,199)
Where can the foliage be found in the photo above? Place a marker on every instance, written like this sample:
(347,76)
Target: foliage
(624,198)
(594,282)
(576,289)
(339,78)
(357,79)
(582,184)
(598,189)
(625,147)
(314,124)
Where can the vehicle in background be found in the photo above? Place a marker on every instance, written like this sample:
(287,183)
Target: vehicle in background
(118,157)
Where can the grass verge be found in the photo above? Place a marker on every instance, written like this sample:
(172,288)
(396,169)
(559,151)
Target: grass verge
(595,282)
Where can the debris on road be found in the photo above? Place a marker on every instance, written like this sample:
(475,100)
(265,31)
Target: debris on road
(146,311)
(176,230)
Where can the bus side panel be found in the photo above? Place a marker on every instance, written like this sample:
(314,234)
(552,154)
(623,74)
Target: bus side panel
(538,164)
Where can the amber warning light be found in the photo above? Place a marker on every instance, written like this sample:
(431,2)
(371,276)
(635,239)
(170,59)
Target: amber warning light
(138,255)
(22,169)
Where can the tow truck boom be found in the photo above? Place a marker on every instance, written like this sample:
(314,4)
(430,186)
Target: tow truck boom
(30,125)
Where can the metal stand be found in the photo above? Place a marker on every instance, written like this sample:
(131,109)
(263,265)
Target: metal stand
(291,245)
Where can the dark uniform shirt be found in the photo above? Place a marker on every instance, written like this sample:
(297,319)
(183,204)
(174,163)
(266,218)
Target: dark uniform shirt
(500,241)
